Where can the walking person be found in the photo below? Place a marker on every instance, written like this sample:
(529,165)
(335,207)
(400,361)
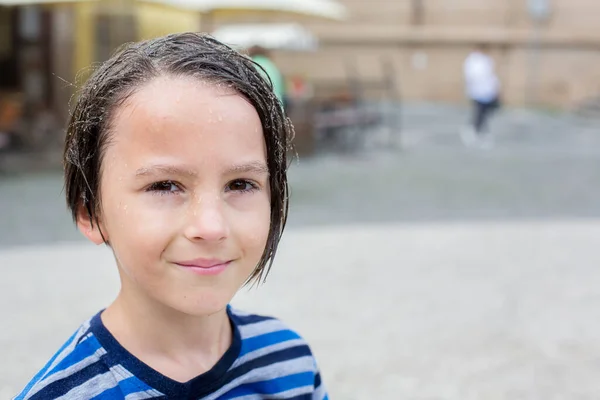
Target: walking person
(483,90)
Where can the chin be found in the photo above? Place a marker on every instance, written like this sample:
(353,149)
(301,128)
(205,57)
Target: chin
(208,303)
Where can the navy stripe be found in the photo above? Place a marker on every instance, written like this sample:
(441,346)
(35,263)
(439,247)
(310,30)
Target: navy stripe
(274,385)
(268,359)
(249,319)
(63,386)
(307,396)
(317,380)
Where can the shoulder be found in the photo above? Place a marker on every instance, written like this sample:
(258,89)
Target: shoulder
(275,354)
(76,363)
(271,340)
(260,330)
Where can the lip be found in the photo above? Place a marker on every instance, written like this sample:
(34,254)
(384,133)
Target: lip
(205,266)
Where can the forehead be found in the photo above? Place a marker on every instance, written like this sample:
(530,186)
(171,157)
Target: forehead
(185,120)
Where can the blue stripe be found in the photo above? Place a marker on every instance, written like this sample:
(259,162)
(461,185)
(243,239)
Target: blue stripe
(62,386)
(258,342)
(117,393)
(273,386)
(39,376)
(268,359)
(79,353)
(239,391)
(133,385)
(284,383)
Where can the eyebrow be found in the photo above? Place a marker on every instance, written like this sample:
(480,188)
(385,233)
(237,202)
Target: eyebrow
(164,169)
(256,167)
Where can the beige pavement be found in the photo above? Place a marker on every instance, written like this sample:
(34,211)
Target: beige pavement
(482,311)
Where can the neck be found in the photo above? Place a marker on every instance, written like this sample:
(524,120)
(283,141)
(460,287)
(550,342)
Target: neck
(176,344)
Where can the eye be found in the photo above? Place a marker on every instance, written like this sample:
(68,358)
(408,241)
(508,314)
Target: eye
(241,185)
(164,187)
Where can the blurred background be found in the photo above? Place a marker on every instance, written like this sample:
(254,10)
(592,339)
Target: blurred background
(451,263)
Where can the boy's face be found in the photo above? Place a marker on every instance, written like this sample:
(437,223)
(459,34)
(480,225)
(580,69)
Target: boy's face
(185,194)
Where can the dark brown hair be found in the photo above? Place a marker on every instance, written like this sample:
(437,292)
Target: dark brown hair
(187,54)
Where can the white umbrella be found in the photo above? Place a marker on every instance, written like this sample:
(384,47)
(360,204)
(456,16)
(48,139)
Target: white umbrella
(270,36)
(9,3)
(320,8)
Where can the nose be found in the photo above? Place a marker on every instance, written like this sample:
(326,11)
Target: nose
(207,222)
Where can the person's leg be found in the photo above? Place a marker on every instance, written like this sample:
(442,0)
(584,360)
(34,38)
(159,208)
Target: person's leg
(479,118)
(486,112)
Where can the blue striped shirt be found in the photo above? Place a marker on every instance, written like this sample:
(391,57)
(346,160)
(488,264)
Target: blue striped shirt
(266,360)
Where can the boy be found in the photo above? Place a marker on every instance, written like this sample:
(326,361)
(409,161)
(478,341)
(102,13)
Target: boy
(175,158)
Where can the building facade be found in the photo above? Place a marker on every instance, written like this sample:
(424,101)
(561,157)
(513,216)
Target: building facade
(551,62)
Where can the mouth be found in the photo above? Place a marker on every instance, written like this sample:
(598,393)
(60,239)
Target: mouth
(205,266)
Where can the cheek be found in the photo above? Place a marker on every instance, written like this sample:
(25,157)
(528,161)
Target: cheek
(133,225)
(253,228)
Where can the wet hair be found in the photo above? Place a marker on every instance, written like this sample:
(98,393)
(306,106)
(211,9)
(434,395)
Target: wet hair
(193,55)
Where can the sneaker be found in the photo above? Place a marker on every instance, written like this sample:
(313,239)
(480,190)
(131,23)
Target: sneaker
(468,136)
(487,142)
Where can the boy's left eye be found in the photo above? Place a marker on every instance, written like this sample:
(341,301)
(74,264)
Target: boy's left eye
(164,187)
(240,185)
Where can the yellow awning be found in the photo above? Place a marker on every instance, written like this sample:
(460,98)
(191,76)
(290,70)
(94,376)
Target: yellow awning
(9,3)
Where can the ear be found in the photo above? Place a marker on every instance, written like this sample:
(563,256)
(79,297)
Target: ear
(90,230)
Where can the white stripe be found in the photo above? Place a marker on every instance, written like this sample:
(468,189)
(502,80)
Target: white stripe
(92,387)
(266,350)
(67,350)
(89,360)
(260,328)
(240,313)
(281,395)
(86,337)
(272,371)
(120,372)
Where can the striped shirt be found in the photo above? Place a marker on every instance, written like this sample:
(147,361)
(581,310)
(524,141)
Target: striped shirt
(266,360)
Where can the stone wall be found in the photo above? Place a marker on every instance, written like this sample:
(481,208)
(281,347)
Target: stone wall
(428,43)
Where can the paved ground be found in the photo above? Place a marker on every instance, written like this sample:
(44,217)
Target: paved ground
(435,272)
(496,311)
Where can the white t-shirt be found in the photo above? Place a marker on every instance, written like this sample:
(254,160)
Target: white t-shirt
(482,84)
